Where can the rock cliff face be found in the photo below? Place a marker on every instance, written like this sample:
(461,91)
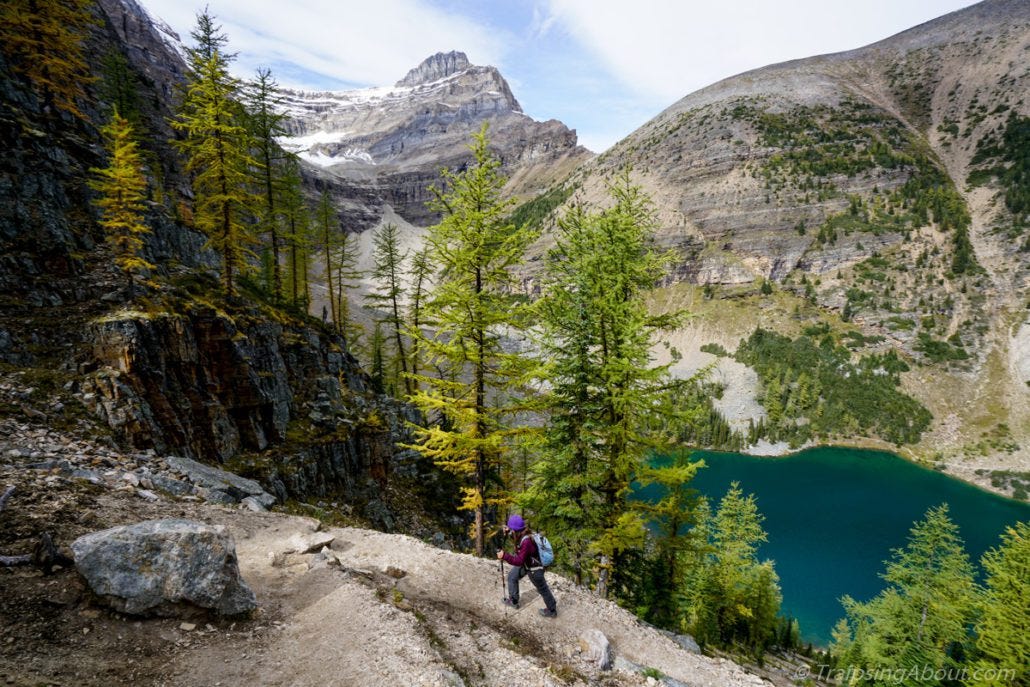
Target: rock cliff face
(745,172)
(392,141)
(282,400)
(173,367)
(867,183)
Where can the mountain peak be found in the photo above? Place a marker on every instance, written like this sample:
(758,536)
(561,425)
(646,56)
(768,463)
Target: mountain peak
(436,67)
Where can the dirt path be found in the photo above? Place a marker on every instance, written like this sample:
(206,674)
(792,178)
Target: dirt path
(398,611)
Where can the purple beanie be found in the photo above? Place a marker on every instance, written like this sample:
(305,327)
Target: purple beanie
(515,522)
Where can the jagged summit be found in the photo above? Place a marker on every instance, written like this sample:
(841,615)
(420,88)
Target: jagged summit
(436,67)
(392,140)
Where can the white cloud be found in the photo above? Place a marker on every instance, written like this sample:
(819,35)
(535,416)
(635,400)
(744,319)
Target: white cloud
(354,41)
(665,49)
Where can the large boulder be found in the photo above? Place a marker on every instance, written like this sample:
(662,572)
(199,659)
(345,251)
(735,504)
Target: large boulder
(234,487)
(595,649)
(160,566)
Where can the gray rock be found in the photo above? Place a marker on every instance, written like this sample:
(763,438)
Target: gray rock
(436,67)
(217,496)
(158,566)
(300,543)
(687,642)
(596,649)
(91,476)
(171,485)
(214,478)
(323,559)
(259,504)
(625,665)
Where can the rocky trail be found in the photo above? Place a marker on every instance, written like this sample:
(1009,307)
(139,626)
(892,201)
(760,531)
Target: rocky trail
(336,606)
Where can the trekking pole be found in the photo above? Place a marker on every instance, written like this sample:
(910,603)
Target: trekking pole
(504,584)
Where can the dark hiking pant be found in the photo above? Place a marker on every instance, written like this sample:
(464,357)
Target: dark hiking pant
(536,576)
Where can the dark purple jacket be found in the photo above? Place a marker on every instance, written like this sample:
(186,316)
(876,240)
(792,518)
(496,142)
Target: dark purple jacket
(525,555)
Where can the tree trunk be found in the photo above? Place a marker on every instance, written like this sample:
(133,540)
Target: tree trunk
(603,577)
(480,419)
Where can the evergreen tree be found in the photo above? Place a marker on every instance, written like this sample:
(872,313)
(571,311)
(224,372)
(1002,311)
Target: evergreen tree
(605,390)
(378,373)
(741,595)
(217,147)
(1003,631)
(385,297)
(296,223)
(674,519)
(122,187)
(43,41)
(343,261)
(920,620)
(472,305)
(266,123)
(330,235)
(421,272)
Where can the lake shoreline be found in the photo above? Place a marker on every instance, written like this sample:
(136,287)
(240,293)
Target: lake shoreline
(961,472)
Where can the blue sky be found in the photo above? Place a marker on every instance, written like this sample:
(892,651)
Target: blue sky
(600,66)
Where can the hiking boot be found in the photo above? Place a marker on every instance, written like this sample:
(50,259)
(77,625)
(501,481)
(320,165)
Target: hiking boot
(509,602)
(548,613)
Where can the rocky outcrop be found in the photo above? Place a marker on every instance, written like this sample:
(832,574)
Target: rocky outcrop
(232,487)
(439,66)
(274,399)
(161,566)
(214,386)
(211,384)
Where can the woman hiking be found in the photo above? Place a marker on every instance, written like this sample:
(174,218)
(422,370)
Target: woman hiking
(525,561)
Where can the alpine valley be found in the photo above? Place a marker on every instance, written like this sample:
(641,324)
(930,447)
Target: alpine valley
(876,197)
(849,235)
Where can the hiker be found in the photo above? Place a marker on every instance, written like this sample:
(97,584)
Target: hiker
(525,561)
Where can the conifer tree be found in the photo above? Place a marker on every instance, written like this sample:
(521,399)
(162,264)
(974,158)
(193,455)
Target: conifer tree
(1003,630)
(296,222)
(378,372)
(923,614)
(217,148)
(343,261)
(330,235)
(122,187)
(266,123)
(421,272)
(386,295)
(730,598)
(674,517)
(475,247)
(744,592)
(606,390)
(43,41)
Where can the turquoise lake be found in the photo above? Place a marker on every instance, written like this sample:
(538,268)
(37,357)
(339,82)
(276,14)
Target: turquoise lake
(834,514)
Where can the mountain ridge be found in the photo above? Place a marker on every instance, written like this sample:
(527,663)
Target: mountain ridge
(842,179)
(389,143)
